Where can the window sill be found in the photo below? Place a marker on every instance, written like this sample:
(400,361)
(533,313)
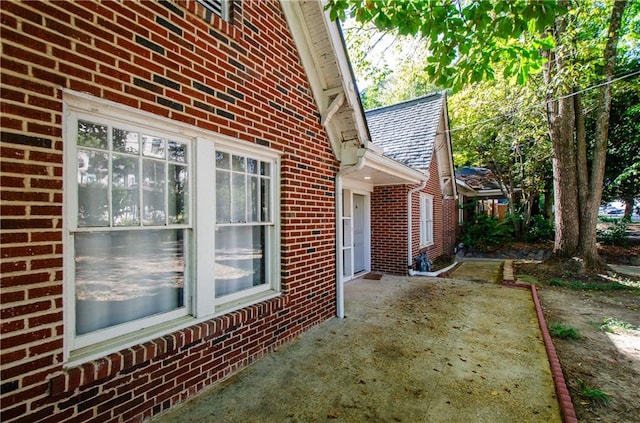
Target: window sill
(102,349)
(139,337)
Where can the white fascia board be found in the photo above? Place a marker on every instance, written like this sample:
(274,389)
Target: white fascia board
(392,167)
(345,73)
(447,131)
(303,41)
(312,65)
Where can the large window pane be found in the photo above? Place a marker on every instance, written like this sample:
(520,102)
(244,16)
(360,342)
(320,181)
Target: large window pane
(153,190)
(240,258)
(125,192)
(125,276)
(178,194)
(93,188)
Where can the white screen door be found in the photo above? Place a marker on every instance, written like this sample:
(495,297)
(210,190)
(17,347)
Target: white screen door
(358,233)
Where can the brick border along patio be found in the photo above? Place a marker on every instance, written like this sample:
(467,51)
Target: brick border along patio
(564,399)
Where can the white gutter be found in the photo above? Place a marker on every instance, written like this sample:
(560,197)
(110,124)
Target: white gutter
(433,274)
(339,235)
(409,232)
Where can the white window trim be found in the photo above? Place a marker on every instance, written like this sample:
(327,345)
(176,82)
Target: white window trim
(200,302)
(426,220)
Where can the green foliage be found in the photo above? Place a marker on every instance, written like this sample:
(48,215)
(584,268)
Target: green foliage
(560,331)
(595,395)
(622,172)
(540,229)
(615,233)
(465,39)
(484,233)
(590,286)
(612,325)
(390,68)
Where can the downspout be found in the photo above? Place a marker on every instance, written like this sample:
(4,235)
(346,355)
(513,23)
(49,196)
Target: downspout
(339,235)
(409,231)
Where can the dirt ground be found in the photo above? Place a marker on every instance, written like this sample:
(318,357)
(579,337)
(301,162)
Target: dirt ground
(599,360)
(409,350)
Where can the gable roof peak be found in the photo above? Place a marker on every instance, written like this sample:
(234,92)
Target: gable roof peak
(434,96)
(407,131)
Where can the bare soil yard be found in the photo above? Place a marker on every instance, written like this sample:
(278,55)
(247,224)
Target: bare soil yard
(605,359)
(409,350)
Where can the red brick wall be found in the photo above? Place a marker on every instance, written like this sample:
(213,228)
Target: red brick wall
(243,80)
(433,187)
(389,229)
(389,224)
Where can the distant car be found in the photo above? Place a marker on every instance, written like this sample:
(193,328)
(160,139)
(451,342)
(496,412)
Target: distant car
(615,212)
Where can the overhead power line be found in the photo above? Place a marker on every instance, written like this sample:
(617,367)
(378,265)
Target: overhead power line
(542,104)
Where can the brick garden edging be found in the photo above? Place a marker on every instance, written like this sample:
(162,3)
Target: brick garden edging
(564,399)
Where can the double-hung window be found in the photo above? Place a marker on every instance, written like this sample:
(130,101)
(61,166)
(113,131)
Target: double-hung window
(426,220)
(245,231)
(164,223)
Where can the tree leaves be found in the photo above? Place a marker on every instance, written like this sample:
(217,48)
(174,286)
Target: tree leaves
(466,40)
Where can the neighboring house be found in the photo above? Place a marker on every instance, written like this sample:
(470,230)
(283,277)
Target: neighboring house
(416,134)
(480,192)
(169,174)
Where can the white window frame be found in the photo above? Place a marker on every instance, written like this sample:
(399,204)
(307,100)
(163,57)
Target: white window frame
(200,301)
(426,220)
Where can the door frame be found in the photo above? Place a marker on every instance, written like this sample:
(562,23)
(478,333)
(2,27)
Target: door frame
(347,242)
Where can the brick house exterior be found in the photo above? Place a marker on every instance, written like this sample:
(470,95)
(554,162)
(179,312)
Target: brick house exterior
(78,69)
(415,133)
(183,190)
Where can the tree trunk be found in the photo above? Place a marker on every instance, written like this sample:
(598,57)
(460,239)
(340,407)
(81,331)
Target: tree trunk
(561,122)
(589,211)
(565,181)
(628,207)
(548,199)
(587,227)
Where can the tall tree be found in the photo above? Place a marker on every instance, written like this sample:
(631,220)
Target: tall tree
(502,127)
(469,41)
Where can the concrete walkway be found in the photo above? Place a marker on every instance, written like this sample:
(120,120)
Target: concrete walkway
(626,269)
(479,271)
(410,350)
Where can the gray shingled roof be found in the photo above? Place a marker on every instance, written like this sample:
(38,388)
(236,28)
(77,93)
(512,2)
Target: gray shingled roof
(407,131)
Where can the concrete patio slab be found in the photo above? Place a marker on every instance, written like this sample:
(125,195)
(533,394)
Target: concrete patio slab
(410,350)
(626,269)
(479,271)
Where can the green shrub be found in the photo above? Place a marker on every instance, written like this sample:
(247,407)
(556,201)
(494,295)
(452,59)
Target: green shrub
(540,229)
(560,331)
(595,395)
(615,234)
(612,325)
(591,286)
(483,233)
